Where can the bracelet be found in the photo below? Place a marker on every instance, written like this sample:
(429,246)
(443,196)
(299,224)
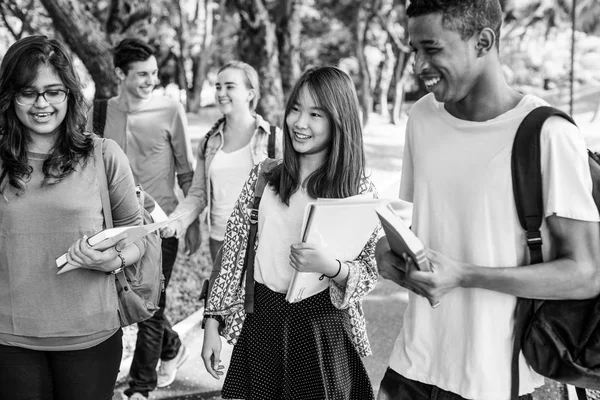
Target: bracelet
(336,274)
(116,271)
(122,260)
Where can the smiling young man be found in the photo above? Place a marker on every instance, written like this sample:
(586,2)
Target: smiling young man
(457,337)
(152,130)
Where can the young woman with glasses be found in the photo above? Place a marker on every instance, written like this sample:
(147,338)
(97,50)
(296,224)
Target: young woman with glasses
(60,336)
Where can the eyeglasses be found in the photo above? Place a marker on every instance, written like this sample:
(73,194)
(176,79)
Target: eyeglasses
(29,97)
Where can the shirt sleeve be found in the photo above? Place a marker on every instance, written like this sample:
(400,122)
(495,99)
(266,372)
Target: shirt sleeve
(195,201)
(125,206)
(566,179)
(181,144)
(407,179)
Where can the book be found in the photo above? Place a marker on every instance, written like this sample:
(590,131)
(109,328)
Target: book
(109,237)
(400,237)
(343,228)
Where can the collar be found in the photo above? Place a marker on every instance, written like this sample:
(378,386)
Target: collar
(260,123)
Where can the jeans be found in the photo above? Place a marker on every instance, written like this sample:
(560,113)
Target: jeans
(61,375)
(396,387)
(155,339)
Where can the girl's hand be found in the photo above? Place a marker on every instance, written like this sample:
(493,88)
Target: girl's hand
(211,349)
(310,257)
(81,255)
(174,229)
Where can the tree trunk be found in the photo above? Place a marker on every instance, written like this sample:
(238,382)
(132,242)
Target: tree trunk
(399,77)
(288,39)
(83,34)
(387,73)
(257,46)
(204,24)
(364,89)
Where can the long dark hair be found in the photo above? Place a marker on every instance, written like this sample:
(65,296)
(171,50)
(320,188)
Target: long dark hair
(18,70)
(341,173)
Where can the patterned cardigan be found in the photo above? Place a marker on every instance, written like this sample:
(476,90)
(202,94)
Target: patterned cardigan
(226,299)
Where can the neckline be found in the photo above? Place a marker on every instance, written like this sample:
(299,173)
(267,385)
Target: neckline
(465,122)
(32,155)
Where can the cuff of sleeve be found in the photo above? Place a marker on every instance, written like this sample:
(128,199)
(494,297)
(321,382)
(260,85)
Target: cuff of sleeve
(218,318)
(186,178)
(341,296)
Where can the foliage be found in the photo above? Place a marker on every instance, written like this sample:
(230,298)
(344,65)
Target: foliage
(536,51)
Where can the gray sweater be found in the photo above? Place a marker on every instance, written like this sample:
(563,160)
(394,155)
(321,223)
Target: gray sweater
(38,308)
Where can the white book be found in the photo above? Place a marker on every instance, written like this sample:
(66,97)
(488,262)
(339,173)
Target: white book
(343,228)
(109,237)
(400,237)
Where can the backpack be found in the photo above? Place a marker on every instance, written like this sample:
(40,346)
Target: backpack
(248,268)
(560,339)
(139,286)
(270,144)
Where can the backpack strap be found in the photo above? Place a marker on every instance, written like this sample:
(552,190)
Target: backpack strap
(271,141)
(527,190)
(211,132)
(102,182)
(99,117)
(248,267)
(527,176)
(581,393)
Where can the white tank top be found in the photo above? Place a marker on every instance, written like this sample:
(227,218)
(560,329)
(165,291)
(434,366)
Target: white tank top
(228,173)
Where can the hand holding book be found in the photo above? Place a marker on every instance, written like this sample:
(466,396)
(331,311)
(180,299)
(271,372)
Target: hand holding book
(108,238)
(312,257)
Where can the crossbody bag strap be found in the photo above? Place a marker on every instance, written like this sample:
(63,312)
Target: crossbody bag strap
(102,182)
(248,268)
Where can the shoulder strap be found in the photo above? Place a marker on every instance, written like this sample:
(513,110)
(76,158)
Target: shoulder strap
(271,141)
(102,182)
(99,119)
(581,393)
(527,190)
(248,268)
(527,176)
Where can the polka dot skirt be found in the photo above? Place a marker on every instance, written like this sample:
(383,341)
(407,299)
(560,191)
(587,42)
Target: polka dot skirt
(299,351)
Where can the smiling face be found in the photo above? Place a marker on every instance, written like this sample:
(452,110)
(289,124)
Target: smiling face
(141,78)
(445,62)
(232,93)
(41,117)
(308,126)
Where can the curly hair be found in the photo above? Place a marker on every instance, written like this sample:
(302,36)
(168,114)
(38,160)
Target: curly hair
(341,173)
(466,17)
(19,70)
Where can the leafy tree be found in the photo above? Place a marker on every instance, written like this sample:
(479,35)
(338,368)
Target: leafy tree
(265,27)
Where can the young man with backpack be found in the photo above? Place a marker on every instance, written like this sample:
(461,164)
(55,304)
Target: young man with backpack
(458,333)
(152,130)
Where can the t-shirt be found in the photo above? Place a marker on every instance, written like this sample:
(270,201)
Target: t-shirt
(229,171)
(279,226)
(458,174)
(155,139)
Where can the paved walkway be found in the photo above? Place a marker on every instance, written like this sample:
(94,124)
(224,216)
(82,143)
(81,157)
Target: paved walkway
(384,307)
